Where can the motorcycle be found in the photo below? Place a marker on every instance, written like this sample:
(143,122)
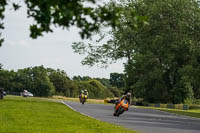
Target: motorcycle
(121,107)
(82,98)
(1,93)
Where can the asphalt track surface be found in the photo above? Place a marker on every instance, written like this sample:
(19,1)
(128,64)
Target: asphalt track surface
(142,120)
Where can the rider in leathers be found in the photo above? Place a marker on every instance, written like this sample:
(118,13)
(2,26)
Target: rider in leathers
(127,97)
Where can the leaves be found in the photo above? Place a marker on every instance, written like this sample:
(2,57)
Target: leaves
(163,50)
(16,6)
(64,14)
(3,4)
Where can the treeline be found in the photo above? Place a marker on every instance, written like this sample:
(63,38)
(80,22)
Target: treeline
(44,82)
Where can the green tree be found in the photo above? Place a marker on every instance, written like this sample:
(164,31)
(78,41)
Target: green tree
(162,55)
(4,79)
(9,81)
(104,81)
(77,78)
(63,84)
(25,77)
(116,91)
(2,10)
(85,14)
(165,48)
(35,80)
(117,79)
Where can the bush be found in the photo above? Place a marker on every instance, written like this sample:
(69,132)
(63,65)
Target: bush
(196,101)
(116,92)
(95,89)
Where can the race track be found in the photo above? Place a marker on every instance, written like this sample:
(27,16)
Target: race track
(143,120)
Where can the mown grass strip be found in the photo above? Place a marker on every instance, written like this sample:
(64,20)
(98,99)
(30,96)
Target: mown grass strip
(34,115)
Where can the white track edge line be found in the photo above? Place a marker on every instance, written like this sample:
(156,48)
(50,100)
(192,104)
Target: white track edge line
(77,111)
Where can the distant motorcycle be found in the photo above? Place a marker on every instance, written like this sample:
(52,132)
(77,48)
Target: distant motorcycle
(82,98)
(121,107)
(2,93)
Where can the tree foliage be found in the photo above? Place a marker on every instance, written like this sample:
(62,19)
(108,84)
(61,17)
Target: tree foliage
(114,85)
(166,51)
(162,55)
(117,79)
(36,81)
(116,47)
(63,84)
(2,9)
(95,89)
(84,14)
(46,82)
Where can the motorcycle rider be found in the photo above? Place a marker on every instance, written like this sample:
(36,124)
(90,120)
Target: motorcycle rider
(86,93)
(1,93)
(126,97)
(83,92)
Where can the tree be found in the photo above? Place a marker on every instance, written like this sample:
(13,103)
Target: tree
(117,79)
(63,84)
(117,47)
(104,81)
(42,86)
(2,9)
(35,80)
(116,91)
(77,78)
(4,79)
(9,81)
(165,50)
(162,55)
(85,14)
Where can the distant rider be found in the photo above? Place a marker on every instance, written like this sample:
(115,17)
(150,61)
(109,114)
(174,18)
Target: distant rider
(86,93)
(1,93)
(83,93)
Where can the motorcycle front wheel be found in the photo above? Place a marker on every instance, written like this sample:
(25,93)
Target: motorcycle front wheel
(119,111)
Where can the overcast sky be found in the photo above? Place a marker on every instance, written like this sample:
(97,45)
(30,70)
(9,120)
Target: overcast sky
(52,50)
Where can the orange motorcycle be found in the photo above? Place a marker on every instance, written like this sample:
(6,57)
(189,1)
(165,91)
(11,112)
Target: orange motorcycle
(82,98)
(121,107)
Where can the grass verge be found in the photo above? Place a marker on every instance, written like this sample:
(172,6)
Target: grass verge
(35,115)
(192,113)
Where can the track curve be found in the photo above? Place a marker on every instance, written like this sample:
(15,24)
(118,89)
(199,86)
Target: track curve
(142,120)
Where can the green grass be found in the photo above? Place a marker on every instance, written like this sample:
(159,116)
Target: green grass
(191,112)
(34,115)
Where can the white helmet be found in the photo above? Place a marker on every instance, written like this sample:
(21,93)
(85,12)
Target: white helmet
(128,94)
